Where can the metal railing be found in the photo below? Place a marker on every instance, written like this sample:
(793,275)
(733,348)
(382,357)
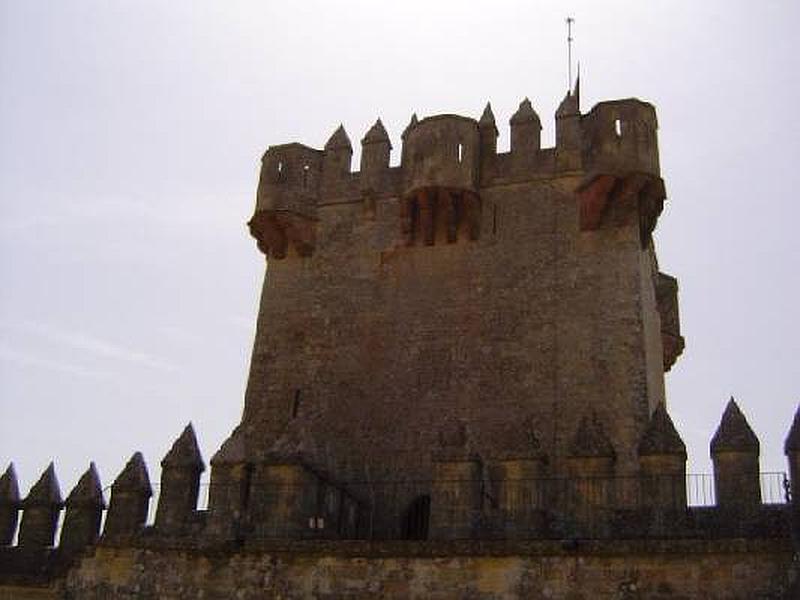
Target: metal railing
(544,507)
(592,507)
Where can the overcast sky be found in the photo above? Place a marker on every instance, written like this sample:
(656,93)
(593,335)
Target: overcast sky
(130,140)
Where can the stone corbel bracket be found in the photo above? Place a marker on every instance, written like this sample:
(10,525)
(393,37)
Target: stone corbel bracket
(460,210)
(277,231)
(607,200)
(667,300)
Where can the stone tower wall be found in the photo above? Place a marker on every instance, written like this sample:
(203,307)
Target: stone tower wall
(416,308)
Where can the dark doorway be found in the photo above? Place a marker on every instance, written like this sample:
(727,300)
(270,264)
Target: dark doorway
(416,518)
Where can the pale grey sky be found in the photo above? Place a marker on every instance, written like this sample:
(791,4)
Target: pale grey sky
(131,134)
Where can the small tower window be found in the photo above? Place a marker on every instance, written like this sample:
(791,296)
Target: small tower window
(306,169)
(460,152)
(296,404)
(618,127)
(416,519)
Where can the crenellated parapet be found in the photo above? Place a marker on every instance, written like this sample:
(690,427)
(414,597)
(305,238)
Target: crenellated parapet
(448,161)
(508,493)
(286,202)
(621,136)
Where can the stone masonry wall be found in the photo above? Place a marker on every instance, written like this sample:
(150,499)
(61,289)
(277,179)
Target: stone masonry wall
(732,570)
(374,345)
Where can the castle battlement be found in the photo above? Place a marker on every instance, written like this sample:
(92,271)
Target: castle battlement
(447,161)
(473,495)
(468,348)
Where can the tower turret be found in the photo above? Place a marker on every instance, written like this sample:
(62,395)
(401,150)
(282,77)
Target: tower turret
(440,179)
(620,137)
(41,508)
(85,506)
(734,452)
(286,201)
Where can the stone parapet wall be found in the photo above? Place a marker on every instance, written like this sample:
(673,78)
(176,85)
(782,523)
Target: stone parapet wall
(730,569)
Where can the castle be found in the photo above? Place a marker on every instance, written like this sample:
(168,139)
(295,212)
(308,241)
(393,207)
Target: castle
(456,391)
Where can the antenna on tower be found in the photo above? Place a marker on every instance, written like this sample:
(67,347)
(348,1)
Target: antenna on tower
(570,21)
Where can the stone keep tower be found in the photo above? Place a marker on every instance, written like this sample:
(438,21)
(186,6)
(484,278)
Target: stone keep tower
(468,348)
(466,307)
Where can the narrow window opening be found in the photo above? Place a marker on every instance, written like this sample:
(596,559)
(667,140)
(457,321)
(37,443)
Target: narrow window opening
(296,404)
(246,485)
(494,219)
(618,128)
(460,152)
(416,519)
(305,176)
(280,166)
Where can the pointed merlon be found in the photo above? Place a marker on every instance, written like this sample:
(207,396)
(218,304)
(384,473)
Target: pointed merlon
(46,491)
(525,114)
(376,135)
(9,487)
(569,106)
(454,434)
(185,452)
(518,439)
(339,140)
(411,124)
(661,437)
(88,491)
(734,432)
(134,476)
(792,443)
(591,440)
(232,450)
(487,119)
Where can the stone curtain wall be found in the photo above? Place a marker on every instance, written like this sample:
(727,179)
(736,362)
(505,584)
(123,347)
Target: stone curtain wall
(730,569)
